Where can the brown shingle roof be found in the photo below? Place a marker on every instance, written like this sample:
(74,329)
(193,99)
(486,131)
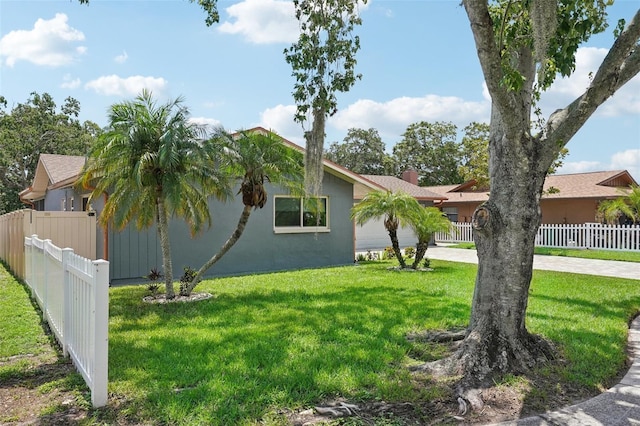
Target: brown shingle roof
(393,183)
(604,184)
(62,167)
(53,171)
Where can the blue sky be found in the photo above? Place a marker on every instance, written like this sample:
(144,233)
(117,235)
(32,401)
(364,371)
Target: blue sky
(417,59)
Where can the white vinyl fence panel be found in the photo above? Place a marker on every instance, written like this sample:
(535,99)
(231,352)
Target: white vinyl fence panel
(73,293)
(586,236)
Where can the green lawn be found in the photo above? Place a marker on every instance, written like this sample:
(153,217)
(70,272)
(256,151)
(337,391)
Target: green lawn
(20,331)
(626,256)
(292,339)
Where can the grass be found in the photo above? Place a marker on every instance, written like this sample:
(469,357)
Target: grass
(20,331)
(625,256)
(291,340)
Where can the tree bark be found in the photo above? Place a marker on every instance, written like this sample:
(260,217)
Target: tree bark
(421,249)
(165,246)
(392,228)
(235,236)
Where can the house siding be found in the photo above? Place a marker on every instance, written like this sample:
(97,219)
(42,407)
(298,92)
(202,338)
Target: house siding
(133,253)
(569,211)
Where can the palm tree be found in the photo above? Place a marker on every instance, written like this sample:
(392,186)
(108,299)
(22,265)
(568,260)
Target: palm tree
(427,222)
(396,208)
(613,210)
(255,158)
(626,205)
(153,164)
(633,199)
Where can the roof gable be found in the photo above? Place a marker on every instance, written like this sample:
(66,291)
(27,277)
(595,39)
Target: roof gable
(53,171)
(361,184)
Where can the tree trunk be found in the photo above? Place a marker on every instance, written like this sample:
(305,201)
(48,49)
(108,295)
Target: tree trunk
(421,249)
(505,228)
(235,236)
(314,152)
(165,246)
(392,228)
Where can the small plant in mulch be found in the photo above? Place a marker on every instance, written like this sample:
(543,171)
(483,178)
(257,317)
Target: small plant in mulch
(389,253)
(154,276)
(409,252)
(186,278)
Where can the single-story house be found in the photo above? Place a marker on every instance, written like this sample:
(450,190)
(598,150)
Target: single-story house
(264,246)
(567,199)
(373,235)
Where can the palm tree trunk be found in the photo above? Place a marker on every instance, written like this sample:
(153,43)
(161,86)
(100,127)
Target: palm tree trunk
(235,236)
(165,245)
(395,244)
(421,249)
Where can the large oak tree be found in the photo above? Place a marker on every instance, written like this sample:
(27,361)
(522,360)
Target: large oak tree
(516,42)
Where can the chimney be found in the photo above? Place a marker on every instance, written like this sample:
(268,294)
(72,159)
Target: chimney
(410,176)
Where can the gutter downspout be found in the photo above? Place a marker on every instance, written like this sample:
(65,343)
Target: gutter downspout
(25,201)
(105,229)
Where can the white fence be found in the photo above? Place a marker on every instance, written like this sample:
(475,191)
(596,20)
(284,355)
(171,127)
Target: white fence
(586,236)
(73,293)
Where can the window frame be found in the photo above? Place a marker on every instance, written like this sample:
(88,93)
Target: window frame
(300,229)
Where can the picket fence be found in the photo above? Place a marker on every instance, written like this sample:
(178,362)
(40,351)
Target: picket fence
(585,236)
(73,293)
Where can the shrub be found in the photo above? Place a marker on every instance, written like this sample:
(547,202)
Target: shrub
(361,257)
(372,256)
(154,276)
(427,262)
(186,278)
(410,252)
(389,253)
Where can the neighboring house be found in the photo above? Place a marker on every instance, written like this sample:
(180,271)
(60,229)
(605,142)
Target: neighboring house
(52,187)
(571,198)
(373,235)
(264,246)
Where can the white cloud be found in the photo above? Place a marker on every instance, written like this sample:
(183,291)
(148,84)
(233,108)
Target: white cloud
(625,160)
(265,21)
(280,120)
(51,42)
(119,86)
(391,118)
(205,121)
(70,83)
(626,101)
(122,58)
(262,21)
(580,167)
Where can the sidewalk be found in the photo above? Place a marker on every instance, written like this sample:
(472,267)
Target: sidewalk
(619,405)
(605,268)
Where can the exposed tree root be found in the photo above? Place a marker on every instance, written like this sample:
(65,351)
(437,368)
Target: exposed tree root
(480,359)
(438,336)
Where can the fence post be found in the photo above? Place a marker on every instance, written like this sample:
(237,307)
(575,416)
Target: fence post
(100,310)
(66,299)
(45,280)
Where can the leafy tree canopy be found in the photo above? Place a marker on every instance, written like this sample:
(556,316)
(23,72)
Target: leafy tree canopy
(33,128)
(323,63)
(432,150)
(362,151)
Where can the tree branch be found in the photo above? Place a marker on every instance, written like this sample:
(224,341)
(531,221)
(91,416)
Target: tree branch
(488,54)
(621,64)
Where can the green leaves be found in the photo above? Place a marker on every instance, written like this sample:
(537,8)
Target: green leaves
(34,127)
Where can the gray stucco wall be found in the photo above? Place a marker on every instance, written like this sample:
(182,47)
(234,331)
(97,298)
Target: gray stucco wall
(133,253)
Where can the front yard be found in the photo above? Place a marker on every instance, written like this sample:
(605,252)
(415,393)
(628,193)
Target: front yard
(267,347)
